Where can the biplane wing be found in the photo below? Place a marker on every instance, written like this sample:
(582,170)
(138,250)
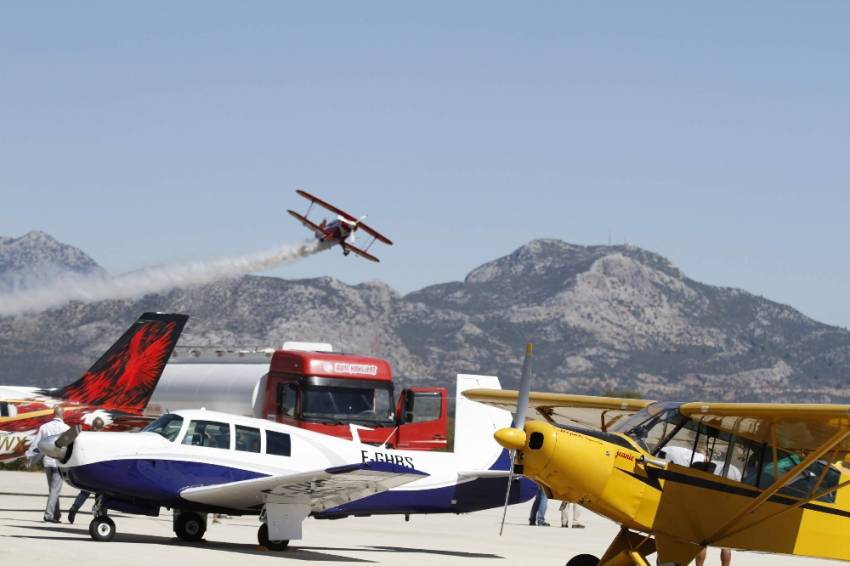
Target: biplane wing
(561,409)
(306,222)
(800,428)
(326,205)
(362,253)
(374,233)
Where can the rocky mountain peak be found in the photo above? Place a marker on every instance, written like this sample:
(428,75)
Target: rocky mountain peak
(37,255)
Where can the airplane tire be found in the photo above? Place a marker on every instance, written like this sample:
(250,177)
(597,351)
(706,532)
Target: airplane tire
(102,529)
(583,560)
(263,539)
(190,526)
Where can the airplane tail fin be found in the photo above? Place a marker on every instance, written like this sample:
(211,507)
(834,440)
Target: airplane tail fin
(475,424)
(125,376)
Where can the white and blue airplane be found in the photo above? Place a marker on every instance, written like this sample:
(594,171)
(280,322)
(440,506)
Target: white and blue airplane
(198,462)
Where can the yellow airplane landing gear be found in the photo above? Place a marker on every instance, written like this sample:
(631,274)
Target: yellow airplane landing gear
(627,549)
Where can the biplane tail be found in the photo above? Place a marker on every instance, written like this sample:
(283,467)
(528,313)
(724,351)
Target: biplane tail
(125,376)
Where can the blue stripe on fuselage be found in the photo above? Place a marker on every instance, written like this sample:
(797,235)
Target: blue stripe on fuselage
(474,495)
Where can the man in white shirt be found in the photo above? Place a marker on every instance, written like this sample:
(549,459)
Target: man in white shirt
(51,467)
(681,456)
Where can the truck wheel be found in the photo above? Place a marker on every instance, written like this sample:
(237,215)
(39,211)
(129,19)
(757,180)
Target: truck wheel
(263,539)
(102,529)
(190,526)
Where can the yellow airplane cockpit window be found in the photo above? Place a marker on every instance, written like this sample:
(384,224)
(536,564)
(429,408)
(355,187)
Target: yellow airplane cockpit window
(652,425)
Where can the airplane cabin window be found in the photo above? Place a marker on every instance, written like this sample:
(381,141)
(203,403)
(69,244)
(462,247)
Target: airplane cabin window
(278,444)
(247,439)
(167,426)
(210,434)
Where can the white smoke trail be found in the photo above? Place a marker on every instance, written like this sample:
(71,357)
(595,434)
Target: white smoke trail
(92,288)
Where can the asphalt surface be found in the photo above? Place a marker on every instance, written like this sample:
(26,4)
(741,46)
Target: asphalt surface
(425,539)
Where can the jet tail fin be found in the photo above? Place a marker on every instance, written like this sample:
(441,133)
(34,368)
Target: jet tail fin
(125,376)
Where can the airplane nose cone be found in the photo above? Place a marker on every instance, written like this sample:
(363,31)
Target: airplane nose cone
(48,446)
(510,438)
(57,446)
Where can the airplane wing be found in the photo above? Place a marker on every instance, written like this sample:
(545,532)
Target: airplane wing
(583,410)
(797,427)
(323,489)
(362,253)
(325,205)
(303,220)
(372,232)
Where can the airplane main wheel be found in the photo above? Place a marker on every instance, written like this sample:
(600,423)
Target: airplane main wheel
(102,529)
(263,539)
(583,560)
(190,526)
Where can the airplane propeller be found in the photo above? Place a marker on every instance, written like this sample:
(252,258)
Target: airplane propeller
(514,437)
(353,224)
(56,446)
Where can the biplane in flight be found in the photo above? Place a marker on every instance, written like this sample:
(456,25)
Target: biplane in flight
(679,477)
(340,231)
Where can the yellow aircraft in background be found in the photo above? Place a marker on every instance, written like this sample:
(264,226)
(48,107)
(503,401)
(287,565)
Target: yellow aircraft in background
(679,477)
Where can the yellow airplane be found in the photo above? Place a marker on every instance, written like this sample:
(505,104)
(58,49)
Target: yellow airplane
(679,477)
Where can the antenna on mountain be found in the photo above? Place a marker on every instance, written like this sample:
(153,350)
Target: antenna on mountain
(609,237)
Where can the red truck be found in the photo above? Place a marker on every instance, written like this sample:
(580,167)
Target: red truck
(323,391)
(326,392)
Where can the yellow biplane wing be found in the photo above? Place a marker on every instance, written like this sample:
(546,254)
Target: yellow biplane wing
(800,428)
(562,409)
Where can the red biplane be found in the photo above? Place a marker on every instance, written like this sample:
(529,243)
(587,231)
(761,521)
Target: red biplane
(340,231)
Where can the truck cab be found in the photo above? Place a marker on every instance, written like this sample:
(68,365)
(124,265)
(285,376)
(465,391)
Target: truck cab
(337,394)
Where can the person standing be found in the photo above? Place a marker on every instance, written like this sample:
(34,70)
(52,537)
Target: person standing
(96,426)
(538,509)
(52,513)
(569,515)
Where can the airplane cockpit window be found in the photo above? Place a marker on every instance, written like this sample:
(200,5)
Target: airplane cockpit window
(167,426)
(210,434)
(761,471)
(247,438)
(278,443)
(652,426)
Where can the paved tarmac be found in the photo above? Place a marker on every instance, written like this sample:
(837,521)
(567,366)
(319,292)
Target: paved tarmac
(426,539)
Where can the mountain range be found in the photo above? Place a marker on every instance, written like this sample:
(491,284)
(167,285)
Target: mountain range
(602,318)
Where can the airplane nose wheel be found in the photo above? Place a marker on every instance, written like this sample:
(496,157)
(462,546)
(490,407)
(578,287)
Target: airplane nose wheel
(102,529)
(263,539)
(583,560)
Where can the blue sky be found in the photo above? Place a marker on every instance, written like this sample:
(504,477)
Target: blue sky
(715,134)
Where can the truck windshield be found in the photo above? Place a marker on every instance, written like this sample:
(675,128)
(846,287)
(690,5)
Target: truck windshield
(167,426)
(346,404)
